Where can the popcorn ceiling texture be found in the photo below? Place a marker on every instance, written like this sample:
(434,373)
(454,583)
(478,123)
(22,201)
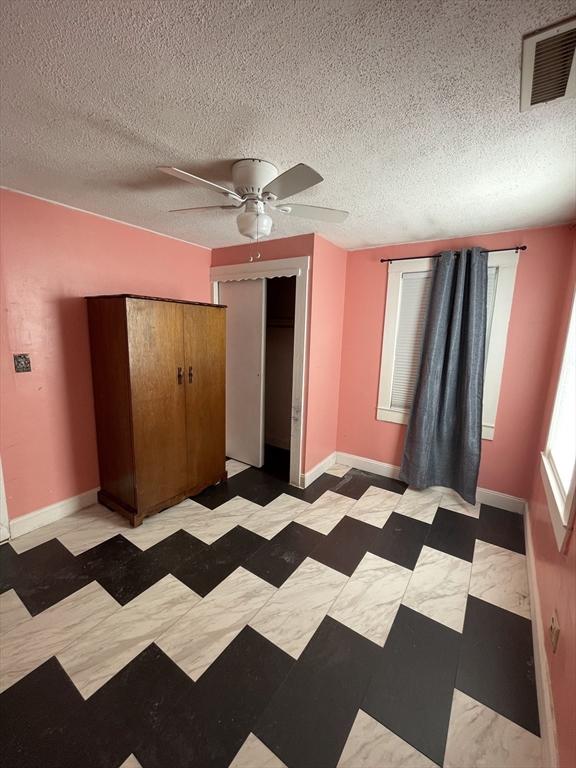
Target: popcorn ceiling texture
(408,108)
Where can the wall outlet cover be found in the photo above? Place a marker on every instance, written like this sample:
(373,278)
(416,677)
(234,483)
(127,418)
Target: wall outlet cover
(22,363)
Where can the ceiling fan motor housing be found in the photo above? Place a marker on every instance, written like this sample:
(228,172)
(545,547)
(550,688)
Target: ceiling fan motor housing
(251,176)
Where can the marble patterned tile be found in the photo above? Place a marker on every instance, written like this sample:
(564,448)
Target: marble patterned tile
(372,745)
(12,611)
(338,470)
(421,505)
(478,737)
(101,524)
(208,525)
(326,512)
(453,501)
(276,515)
(500,577)
(32,642)
(439,588)
(254,754)
(197,639)
(375,506)
(98,655)
(294,613)
(71,526)
(234,467)
(130,762)
(158,527)
(369,601)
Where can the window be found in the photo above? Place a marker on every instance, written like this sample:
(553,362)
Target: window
(559,457)
(409,286)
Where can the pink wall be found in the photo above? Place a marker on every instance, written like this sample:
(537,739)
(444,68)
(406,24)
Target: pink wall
(508,460)
(555,572)
(51,257)
(327,292)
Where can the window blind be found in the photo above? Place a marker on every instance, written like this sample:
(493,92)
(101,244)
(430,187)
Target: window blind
(412,313)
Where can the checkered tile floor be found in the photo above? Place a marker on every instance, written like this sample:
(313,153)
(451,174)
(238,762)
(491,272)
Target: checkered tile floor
(356,623)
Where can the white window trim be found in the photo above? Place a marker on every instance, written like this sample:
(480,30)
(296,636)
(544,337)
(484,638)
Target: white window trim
(506,261)
(562,508)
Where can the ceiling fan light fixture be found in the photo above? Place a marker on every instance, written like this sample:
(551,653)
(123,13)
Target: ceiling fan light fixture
(254,222)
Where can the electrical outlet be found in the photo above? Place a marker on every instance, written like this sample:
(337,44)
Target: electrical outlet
(554,631)
(22,363)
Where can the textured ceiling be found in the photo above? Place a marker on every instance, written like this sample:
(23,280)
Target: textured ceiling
(408,108)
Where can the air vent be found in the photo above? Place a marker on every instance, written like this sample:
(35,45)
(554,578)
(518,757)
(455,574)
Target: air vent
(549,65)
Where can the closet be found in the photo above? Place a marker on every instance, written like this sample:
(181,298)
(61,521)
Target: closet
(158,370)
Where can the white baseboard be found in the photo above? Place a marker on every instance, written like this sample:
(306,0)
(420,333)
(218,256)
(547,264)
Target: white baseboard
(485,496)
(543,687)
(319,469)
(29,522)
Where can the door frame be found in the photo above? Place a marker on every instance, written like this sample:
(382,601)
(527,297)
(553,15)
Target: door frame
(4,520)
(298,267)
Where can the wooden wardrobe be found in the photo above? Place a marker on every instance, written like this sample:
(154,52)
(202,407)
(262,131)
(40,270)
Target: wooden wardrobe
(158,367)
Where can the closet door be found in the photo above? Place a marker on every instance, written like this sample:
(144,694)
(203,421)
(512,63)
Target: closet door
(205,354)
(245,360)
(156,350)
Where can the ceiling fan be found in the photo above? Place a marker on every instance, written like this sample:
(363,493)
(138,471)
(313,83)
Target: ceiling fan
(257,187)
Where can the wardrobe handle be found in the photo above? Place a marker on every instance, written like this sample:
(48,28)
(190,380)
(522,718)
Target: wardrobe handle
(190,375)
(180,375)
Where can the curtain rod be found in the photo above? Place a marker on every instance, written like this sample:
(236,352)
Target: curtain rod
(437,255)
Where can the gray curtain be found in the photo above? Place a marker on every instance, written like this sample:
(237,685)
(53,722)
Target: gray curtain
(445,430)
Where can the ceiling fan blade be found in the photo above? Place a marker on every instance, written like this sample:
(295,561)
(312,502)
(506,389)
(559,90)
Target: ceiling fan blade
(312,212)
(292,181)
(191,179)
(206,208)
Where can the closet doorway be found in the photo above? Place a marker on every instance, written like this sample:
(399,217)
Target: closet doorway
(265,362)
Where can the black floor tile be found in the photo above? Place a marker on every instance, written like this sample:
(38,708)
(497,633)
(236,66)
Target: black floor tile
(213,564)
(309,719)
(346,544)
(34,714)
(138,573)
(401,540)
(411,691)
(503,528)
(324,483)
(497,662)
(46,574)
(453,533)
(103,558)
(278,558)
(355,483)
(215,495)
(211,721)
(9,567)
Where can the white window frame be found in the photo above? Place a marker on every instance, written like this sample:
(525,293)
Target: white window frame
(561,504)
(506,262)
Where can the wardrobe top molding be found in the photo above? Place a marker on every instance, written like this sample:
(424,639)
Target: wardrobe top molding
(154,298)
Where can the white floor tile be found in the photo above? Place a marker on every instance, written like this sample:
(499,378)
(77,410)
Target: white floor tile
(370,599)
(375,506)
(12,611)
(97,656)
(157,527)
(478,737)
(208,525)
(499,576)
(198,638)
(338,470)
(326,512)
(371,745)
(453,501)
(130,762)
(275,516)
(295,612)
(421,505)
(254,754)
(439,588)
(32,642)
(234,467)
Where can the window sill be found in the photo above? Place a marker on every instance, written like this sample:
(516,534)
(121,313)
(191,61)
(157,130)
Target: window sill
(401,417)
(556,503)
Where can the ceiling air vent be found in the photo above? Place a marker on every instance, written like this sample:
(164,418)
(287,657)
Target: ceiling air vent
(549,65)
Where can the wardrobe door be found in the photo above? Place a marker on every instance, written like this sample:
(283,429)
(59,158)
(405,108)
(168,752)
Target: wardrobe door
(205,352)
(156,349)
